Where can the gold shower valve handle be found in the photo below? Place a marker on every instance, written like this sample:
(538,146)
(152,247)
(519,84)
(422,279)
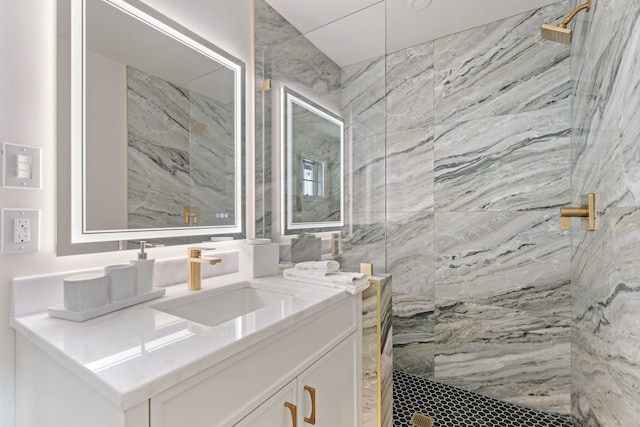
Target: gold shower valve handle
(580,212)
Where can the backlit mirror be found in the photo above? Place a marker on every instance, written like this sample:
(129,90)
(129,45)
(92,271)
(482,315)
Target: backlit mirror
(156,127)
(313,143)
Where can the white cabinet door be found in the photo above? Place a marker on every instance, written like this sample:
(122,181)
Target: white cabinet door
(327,390)
(278,411)
(324,395)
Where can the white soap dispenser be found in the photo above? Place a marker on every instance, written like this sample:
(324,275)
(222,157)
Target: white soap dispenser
(144,270)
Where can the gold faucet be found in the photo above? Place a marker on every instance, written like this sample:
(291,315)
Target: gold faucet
(194,264)
(581,212)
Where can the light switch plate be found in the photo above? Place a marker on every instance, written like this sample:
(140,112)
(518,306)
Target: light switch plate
(20,230)
(21,166)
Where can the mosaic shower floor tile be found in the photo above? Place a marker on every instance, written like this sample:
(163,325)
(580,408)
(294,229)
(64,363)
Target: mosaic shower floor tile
(453,407)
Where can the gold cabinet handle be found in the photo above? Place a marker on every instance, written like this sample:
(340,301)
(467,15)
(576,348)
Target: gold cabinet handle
(294,413)
(312,392)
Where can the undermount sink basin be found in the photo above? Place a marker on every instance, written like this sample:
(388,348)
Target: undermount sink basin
(220,305)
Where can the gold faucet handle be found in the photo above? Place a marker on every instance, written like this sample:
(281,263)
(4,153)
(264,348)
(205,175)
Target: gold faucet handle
(196,252)
(195,255)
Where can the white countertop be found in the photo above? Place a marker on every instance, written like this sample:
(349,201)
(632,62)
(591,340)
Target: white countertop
(135,353)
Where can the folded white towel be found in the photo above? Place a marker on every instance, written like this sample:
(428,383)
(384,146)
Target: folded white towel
(319,268)
(350,282)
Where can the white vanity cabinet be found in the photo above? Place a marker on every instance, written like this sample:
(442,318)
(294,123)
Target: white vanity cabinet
(187,374)
(321,354)
(324,395)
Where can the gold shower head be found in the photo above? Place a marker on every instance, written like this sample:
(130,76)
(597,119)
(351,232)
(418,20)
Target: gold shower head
(560,33)
(555,33)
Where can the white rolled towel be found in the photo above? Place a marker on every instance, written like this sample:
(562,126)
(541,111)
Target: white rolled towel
(318,268)
(351,282)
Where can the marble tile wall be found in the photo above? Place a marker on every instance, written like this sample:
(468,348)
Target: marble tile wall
(478,162)
(363,109)
(364,235)
(606,269)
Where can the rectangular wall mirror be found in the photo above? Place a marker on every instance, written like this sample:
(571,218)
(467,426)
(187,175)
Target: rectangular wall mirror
(313,170)
(156,126)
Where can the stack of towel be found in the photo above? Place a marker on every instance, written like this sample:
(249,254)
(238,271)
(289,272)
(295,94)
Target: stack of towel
(327,273)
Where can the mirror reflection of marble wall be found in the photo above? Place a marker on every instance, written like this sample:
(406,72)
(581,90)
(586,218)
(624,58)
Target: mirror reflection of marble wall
(155,146)
(177,113)
(180,153)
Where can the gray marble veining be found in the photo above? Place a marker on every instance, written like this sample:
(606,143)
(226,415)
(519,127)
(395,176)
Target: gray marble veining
(606,108)
(410,88)
(532,375)
(414,333)
(411,263)
(482,255)
(365,178)
(363,243)
(363,111)
(475,174)
(606,282)
(503,306)
(510,162)
(606,364)
(410,170)
(501,68)
(363,98)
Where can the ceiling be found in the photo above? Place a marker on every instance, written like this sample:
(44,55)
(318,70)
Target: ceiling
(350,31)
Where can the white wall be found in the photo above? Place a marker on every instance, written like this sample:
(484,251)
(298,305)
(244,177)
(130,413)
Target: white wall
(107,156)
(27,116)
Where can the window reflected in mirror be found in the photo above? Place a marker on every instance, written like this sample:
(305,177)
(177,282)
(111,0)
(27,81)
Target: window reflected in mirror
(312,178)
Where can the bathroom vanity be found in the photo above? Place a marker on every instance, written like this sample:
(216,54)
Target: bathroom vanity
(245,352)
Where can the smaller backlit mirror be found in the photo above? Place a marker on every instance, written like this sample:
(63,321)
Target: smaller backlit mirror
(313,149)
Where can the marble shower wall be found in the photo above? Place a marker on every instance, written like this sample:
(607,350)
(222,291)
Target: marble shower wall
(478,163)
(363,238)
(605,263)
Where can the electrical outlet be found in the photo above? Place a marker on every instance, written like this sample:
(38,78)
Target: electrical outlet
(20,230)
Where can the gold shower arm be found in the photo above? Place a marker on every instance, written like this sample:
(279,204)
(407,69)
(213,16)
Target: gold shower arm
(572,15)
